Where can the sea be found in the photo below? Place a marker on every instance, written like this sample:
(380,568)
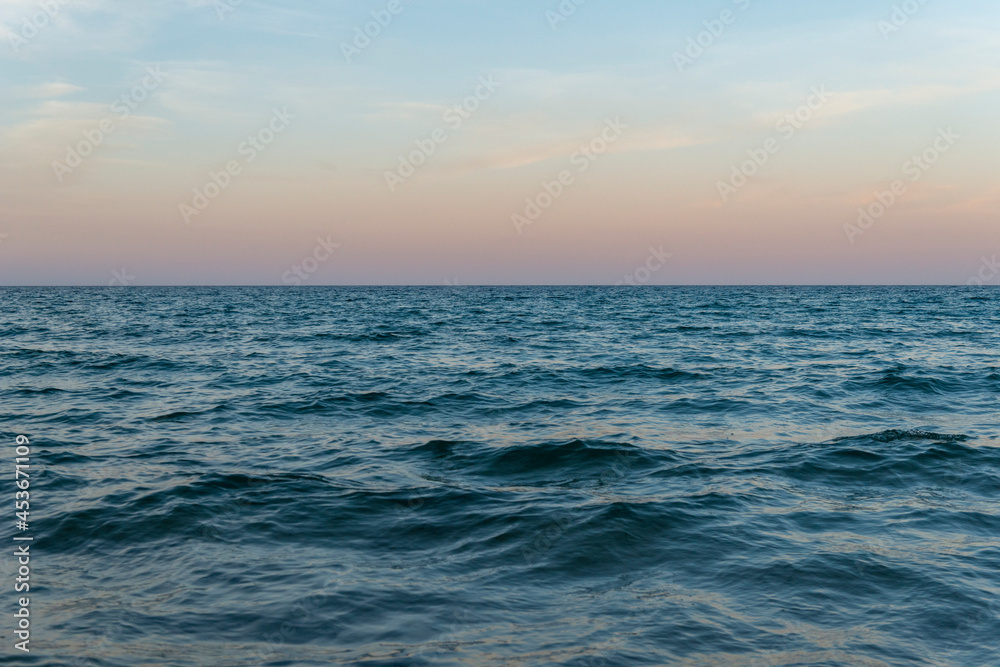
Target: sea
(576,476)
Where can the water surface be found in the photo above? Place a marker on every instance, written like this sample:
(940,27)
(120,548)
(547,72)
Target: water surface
(510,476)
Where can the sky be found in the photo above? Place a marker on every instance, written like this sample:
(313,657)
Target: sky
(468,142)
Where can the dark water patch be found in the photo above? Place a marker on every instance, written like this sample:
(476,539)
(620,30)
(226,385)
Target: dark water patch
(894,435)
(182,415)
(542,463)
(640,372)
(480,476)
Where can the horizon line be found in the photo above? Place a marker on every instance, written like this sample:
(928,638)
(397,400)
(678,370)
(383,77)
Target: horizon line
(512,285)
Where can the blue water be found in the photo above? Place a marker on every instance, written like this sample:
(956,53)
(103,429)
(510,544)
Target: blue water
(508,476)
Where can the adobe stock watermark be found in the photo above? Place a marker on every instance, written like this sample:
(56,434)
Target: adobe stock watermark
(249,149)
(581,160)
(704,40)
(562,13)
(122,109)
(307,612)
(545,539)
(977,625)
(223,7)
(914,169)
(988,271)
(454,118)
(382,18)
(121,278)
(901,15)
(94,648)
(786,127)
(644,273)
(300,273)
(33,25)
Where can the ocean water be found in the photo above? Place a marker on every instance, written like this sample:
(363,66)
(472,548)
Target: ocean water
(507,476)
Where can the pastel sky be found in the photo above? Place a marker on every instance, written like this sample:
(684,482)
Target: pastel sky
(92,195)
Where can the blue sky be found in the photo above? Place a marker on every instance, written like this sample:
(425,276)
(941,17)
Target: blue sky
(889,95)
